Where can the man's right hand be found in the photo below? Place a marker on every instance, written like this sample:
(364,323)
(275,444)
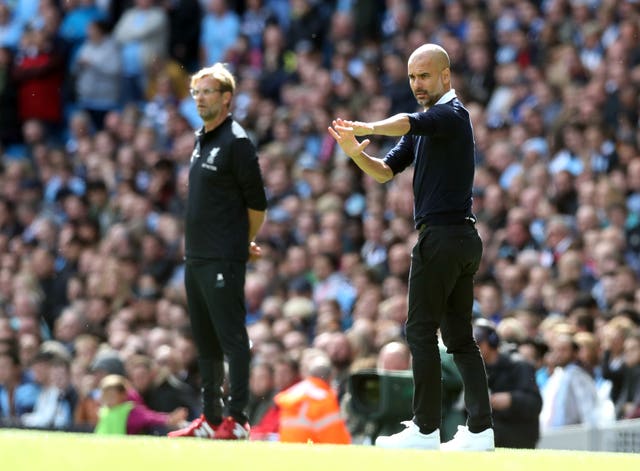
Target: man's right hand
(344,134)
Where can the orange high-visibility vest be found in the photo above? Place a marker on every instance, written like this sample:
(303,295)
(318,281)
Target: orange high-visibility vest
(309,411)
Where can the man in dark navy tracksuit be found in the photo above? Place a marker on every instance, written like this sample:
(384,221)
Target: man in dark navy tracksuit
(225,210)
(439,143)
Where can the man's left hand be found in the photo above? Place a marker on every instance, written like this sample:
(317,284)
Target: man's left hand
(255,251)
(345,137)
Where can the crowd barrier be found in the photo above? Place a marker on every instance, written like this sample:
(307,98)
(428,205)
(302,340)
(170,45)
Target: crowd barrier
(622,436)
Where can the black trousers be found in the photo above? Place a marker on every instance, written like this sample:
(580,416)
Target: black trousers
(443,263)
(215,300)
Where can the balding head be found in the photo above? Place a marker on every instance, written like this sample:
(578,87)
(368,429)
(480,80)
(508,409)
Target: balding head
(319,366)
(394,356)
(432,52)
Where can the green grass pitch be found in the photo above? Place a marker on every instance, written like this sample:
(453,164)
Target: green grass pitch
(56,451)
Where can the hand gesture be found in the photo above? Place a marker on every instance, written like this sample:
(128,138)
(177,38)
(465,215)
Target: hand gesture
(359,128)
(255,251)
(344,134)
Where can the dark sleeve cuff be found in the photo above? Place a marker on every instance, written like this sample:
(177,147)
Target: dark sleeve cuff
(413,119)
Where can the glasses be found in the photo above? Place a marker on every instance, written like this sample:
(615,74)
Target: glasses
(195,92)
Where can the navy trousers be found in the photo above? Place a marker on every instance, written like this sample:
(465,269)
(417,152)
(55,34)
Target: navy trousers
(443,263)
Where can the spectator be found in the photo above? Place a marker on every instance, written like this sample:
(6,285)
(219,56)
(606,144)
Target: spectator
(57,399)
(515,398)
(187,360)
(307,25)
(17,394)
(629,398)
(309,410)
(614,333)
(28,349)
(394,84)
(341,355)
(142,34)
(570,395)
(166,88)
(104,363)
(77,16)
(274,70)
(159,388)
(479,79)
(218,32)
(254,20)
(286,372)
(39,73)
(394,356)
(120,416)
(490,301)
(97,69)
(184,32)
(263,414)
(255,291)
(155,260)
(10,28)
(68,326)
(85,347)
(517,234)
(331,283)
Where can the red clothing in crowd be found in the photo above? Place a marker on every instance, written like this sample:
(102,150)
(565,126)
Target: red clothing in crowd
(40,78)
(268,427)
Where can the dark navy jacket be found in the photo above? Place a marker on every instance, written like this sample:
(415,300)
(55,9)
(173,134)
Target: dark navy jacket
(440,144)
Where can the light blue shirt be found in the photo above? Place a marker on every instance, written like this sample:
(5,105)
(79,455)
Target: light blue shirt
(564,160)
(74,24)
(132,59)
(218,35)
(26,10)
(24,399)
(10,34)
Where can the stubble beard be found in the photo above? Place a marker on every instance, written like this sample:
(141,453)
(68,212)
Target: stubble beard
(429,101)
(210,113)
(206,114)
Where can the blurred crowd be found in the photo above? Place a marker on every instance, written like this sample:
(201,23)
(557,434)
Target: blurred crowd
(96,132)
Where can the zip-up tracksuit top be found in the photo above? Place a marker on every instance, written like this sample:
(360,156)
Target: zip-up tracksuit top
(224,180)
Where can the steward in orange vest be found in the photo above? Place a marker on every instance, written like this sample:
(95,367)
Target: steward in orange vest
(309,410)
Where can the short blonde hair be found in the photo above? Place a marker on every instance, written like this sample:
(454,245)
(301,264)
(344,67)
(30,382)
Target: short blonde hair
(219,72)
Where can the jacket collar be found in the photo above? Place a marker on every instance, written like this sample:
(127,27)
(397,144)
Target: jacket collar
(447,97)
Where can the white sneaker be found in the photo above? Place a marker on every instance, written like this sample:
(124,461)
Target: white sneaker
(411,437)
(464,440)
